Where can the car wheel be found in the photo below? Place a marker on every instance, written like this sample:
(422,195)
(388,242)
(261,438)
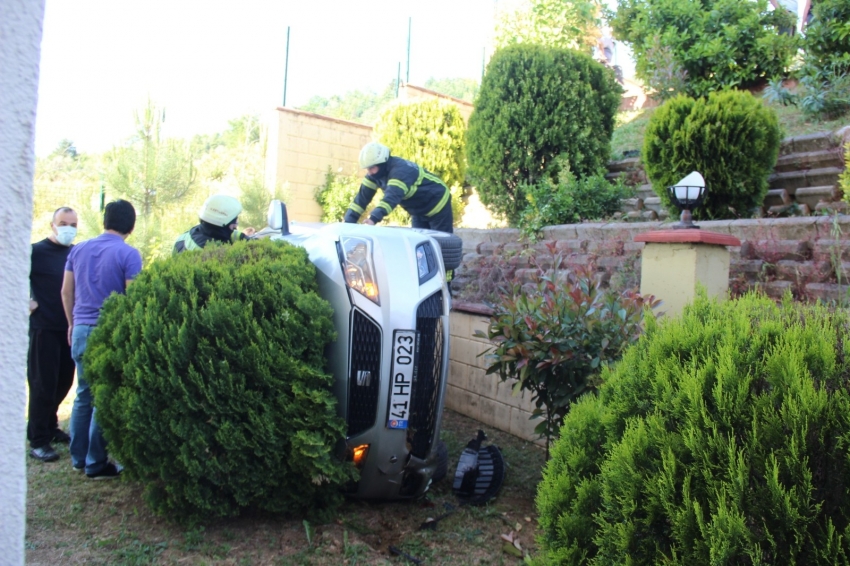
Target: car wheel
(442,462)
(451,247)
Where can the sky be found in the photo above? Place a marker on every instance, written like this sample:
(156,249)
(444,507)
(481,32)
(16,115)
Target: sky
(207,62)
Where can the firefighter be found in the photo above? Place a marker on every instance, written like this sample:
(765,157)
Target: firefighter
(219,222)
(421,193)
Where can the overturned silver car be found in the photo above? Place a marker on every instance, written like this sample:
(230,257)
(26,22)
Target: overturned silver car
(391,304)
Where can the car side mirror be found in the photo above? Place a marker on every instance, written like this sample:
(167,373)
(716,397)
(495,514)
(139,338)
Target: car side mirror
(277,217)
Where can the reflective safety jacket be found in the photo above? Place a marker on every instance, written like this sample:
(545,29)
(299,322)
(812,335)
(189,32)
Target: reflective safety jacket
(200,235)
(405,184)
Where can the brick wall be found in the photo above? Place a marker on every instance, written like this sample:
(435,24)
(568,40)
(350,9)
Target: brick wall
(810,256)
(301,148)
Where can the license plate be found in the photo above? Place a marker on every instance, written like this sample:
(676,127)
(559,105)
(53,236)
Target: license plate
(404,362)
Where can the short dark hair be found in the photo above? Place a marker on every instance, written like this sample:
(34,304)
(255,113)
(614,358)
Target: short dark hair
(61,209)
(119,215)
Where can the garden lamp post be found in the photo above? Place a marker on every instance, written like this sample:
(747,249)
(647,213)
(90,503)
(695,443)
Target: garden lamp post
(687,195)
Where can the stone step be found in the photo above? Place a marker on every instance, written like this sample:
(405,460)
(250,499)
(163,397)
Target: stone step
(629,204)
(806,143)
(624,165)
(644,192)
(652,203)
(812,196)
(777,197)
(785,210)
(792,180)
(809,160)
(835,207)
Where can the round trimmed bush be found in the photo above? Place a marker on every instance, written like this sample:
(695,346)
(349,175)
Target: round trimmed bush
(731,138)
(721,437)
(536,104)
(209,382)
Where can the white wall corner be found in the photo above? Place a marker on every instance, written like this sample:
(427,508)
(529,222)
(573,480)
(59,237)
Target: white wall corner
(20,44)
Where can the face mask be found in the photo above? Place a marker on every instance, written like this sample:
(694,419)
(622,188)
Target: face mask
(65,234)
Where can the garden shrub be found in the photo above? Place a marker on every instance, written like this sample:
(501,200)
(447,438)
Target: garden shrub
(844,179)
(209,382)
(431,133)
(721,437)
(825,76)
(568,200)
(336,194)
(535,104)
(715,44)
(554,335)
(730,137)
(827,40)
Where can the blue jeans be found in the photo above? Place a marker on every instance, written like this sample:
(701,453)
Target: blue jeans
(88,447)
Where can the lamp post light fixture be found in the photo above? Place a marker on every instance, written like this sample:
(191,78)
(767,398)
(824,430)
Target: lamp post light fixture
(687,195)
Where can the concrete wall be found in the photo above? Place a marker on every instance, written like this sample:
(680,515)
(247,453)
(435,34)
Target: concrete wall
(483,397)
(20,42)
(301,148)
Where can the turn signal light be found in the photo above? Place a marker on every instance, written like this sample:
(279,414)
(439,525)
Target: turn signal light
(360,453)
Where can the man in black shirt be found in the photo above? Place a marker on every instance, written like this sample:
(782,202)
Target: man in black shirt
(50,368)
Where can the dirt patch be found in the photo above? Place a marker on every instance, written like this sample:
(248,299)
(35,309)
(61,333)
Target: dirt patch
(73,520)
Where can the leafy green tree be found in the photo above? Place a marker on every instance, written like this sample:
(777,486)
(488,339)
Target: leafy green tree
(67,178)
(827,40)
(357,106)
(731,138)
(155,174)
(570,24)
(210,383)
(825,76)
(536,104)
(464,89)
(712,44)
(233,164)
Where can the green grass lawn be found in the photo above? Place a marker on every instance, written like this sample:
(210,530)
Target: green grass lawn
(73,520)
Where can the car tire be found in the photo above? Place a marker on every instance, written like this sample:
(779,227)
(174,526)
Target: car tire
(451,247)
(442,462)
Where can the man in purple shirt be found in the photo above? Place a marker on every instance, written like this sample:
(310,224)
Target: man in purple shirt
(95,269)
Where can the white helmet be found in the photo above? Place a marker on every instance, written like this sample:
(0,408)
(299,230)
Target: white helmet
(220,210)
(372,154)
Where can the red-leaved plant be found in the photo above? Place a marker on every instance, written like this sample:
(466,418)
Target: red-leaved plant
(552,336)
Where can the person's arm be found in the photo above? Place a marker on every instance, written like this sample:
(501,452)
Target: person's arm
(361,200)
(68,301)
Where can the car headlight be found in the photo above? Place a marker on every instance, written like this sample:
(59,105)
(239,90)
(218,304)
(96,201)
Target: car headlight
(426,263)
(357,267)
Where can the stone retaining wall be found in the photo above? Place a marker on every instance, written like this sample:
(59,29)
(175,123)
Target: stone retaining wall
(810,256)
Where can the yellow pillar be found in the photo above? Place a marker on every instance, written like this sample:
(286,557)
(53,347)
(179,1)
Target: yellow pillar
(675,262)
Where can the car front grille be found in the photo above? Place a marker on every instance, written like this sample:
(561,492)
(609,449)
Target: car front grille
(364,381)
(426,384)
